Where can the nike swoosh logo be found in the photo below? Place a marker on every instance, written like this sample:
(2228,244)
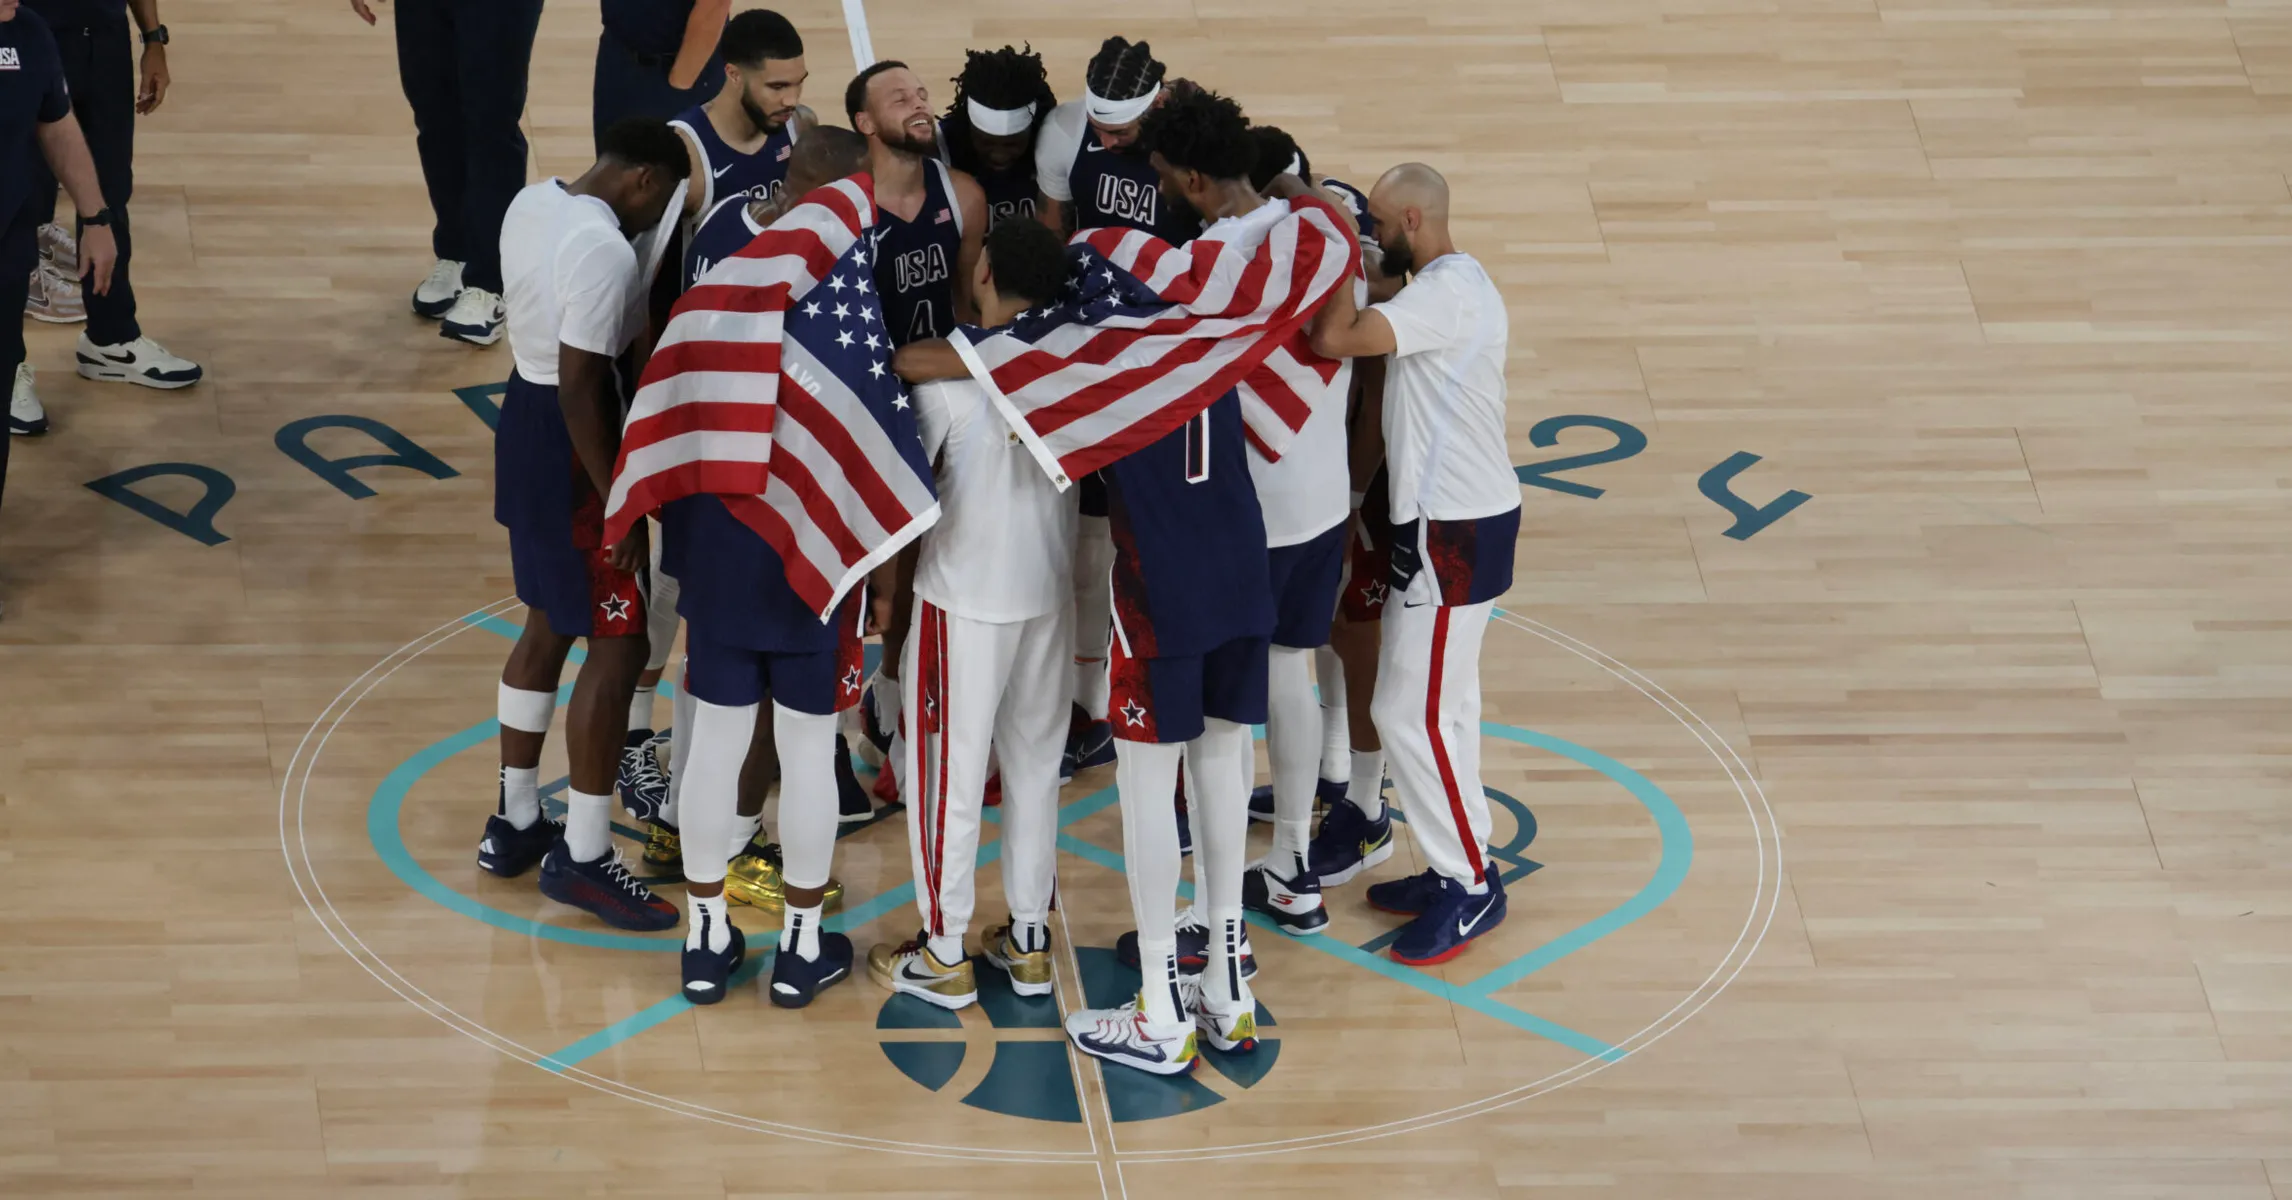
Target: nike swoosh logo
(719,172)
(122,359)
(1414,604)
(1465,928)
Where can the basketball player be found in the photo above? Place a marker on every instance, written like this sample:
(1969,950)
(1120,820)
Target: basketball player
(742,138)
(1456,510)
(1093,174)
(570,274)
(1193,608)
(987,645)
(1002,99)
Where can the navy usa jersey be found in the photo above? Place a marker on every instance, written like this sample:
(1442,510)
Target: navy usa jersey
(1009,193)
(915,261)
(1190,570)
(721,233)
(731,173)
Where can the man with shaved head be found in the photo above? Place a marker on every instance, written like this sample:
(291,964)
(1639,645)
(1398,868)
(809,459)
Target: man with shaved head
(1455,507)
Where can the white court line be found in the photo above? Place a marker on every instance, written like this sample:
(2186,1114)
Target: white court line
(855,21)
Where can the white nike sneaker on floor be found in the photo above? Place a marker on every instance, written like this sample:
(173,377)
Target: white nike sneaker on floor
(141,361)
(476,318)
(54,296)
(437,294)
(1123,1035)
(25,416)
(1229,1027)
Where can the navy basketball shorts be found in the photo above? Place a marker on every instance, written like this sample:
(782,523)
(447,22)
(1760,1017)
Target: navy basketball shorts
(821,683)
(574,588)
(1167,699)
(1305,577)
(556,522)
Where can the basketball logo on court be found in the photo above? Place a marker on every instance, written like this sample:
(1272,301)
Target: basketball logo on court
(1029,1075)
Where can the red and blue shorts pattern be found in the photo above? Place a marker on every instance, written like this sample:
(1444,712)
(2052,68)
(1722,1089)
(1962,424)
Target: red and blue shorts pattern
(1166,700)
(556,523)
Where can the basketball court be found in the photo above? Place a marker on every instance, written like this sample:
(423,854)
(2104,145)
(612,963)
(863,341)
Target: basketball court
(1887,730)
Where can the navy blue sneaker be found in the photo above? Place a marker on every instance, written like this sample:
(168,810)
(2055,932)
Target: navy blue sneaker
(795,980)
(852,802)
(1450,924)
(604,889)
(1326,792)
(1349,843)
(509,852)
(1088,744)
(1193,947)
(643,786)
(1410,896)
(1293,904)
(706,971)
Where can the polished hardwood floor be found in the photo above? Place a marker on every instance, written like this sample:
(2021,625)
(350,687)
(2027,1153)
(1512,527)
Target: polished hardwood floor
(1930,841)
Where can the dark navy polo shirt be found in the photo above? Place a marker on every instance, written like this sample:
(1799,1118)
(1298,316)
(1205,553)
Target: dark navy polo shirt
(31,95)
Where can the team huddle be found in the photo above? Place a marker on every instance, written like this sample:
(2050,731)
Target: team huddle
(1330,578)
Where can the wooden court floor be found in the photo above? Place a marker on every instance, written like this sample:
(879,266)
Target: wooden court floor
(1929,841)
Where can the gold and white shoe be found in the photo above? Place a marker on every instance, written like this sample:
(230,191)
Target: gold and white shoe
(753,878)
(911,969)
(1030,970)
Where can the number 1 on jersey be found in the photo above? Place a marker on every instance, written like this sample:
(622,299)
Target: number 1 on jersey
(1198,448)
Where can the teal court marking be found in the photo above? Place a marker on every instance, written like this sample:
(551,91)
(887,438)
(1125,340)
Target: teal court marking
(1676,857)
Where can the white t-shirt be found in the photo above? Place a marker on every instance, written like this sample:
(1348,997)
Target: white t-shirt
(1445,455)
(1003,550)
(1056,148)
(1310,489)
(567,273)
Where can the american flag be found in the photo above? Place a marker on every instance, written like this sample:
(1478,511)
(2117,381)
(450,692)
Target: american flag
(772,389)
(1150,334)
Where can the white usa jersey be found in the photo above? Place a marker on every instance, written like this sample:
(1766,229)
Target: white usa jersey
(1003,549)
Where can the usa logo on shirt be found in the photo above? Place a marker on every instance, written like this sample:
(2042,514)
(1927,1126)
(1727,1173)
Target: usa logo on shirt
(9,61)
(943,217)
(785,151)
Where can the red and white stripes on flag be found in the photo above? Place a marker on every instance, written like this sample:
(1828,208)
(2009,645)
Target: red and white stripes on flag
(805,435)
(1159,332)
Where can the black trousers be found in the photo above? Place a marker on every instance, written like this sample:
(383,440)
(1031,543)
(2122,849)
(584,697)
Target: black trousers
(463,64)
(629,84)
(99,68)
(19,250)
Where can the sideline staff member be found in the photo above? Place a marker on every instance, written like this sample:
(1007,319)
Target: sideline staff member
(35,125)
(656,58)
(462,64)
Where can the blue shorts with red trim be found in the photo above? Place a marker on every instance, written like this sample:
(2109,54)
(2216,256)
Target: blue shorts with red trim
(1305,577)
(576,590)
(1166,700)
(556,522)
(821,683)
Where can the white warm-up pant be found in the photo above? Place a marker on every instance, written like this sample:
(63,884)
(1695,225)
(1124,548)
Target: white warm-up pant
(1093,629)
(1427,711)
(967,686)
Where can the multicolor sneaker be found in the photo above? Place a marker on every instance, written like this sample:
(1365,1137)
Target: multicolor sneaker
(707,971)
(641,780)
(1030,970)
(1326,792)
(1123,1035)
(509,852)
(910,968)
(1349,843)
(1443,930)
(1293,904)
(1193,946)
(796,979)
(603,888)
(1410,895)
(753,878)
(1229,1027)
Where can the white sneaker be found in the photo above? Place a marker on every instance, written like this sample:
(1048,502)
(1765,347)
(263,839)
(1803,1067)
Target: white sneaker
(141,361)
(59,250)
(54,296)
(438,292)
(1231,1027)
(1123,1035)
(25,416)
(476,318)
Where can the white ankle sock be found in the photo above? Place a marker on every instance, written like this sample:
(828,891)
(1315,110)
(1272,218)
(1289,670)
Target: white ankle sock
(1367,789)
(708,924)
(800,932)
(1159,962)
(588,826)
(1029,936)
(1290,838)
(641,710)
(521,795)
(948,950)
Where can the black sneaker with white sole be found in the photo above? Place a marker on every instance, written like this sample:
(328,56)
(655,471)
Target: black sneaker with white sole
(141,361)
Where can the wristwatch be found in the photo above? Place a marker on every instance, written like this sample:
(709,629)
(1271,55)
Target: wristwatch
(102,217)
(155,36)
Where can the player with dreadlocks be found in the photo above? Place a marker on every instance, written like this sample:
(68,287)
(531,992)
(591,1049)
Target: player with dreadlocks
(1002,99)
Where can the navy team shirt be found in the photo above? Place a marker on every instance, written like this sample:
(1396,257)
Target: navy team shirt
(915,261)
(31,95)
(1010,194)
(1118,189)
(732,173)
(1190,568)
(723,232)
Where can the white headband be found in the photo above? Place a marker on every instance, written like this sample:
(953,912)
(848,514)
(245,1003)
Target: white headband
(1000,122)
(1117,112)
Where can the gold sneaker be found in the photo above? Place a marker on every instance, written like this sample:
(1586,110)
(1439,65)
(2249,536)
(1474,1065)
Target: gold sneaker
(1030,972)
(664,854)
(912,969)
(754,879)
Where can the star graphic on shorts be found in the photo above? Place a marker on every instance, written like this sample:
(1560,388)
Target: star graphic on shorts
(1373,592)
(836,283)
(616,608)
(852,680)
(1133,715)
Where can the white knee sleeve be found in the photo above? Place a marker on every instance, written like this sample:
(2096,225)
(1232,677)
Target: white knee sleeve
(717,742)
(808,803)
(527,712)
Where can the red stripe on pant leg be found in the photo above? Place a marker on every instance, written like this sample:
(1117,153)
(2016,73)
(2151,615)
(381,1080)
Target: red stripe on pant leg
(939,819)
(1440,748)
